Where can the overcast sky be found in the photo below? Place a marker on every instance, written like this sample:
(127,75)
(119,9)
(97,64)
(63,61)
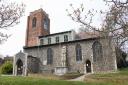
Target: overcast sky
(58,16)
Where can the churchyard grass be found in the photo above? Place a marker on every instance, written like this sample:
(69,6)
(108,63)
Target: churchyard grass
(118,78)
(4,80)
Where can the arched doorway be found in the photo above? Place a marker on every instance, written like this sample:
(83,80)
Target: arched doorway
(88,66)
(19,67)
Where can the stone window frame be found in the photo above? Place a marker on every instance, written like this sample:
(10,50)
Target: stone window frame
(97,51)
(78,52)
(65,38)
(46,23)
(49,40)
(49,56)
(41,41)
(34,21)
(57,39)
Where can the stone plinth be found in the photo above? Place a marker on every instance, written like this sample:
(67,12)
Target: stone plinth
(61,70)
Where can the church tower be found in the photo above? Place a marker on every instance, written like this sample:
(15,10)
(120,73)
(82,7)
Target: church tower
(38,24)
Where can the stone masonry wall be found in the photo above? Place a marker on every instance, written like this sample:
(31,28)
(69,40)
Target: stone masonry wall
(107,63)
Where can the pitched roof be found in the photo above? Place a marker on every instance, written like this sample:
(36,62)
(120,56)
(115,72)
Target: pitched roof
(55,34)
(86,35)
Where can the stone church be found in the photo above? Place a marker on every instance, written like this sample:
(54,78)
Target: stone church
(62,52)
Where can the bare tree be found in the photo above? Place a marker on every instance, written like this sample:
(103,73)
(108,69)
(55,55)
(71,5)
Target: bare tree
(114,26)
(10,13)
(84,18)
(115,23)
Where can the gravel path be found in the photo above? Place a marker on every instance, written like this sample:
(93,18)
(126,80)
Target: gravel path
(81,78)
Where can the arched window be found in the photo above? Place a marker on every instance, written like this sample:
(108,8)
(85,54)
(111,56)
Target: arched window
(49,56)
(97,51)
(78,53)
(46,23)
(34,22)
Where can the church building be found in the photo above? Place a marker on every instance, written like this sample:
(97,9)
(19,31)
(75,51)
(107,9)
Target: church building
(62,52)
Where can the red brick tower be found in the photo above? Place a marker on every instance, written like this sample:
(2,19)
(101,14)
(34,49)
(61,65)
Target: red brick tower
(38,24)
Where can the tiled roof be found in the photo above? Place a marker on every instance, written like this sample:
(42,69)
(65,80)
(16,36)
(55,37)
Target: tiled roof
(85,35)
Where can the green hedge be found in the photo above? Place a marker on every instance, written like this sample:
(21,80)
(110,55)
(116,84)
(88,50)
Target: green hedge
(6,68)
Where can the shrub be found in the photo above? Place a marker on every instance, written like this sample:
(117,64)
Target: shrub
(6,68)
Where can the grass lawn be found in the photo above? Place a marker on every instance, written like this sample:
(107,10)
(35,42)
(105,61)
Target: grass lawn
(119,78)
(4,80)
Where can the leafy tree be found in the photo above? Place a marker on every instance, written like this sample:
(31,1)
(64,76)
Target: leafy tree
(10,13)
(7,68)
